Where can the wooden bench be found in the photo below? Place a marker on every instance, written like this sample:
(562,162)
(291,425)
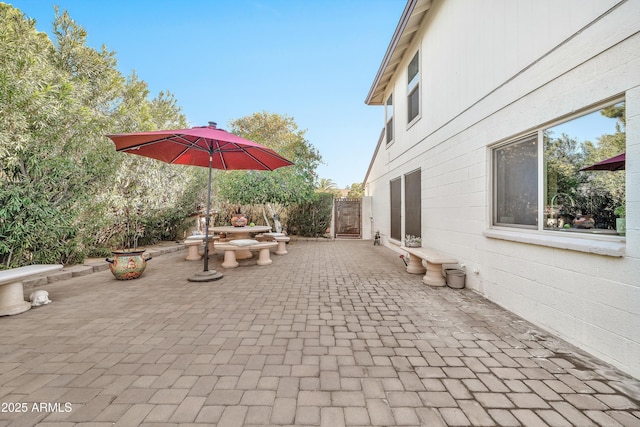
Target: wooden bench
(230,249)
(11,290)
(433,273)
(281,238)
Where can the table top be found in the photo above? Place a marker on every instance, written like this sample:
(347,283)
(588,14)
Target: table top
(246,229)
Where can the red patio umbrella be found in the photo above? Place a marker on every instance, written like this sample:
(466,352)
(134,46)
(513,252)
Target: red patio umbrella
(616,163)
(205,146)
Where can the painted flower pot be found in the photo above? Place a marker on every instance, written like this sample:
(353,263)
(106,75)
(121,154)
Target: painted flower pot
(239,220)
(128,265)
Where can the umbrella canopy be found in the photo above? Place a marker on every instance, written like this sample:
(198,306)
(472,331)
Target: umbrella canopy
(615,163)
(205,146)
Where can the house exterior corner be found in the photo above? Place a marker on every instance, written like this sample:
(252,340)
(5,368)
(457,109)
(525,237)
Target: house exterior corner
(490,111)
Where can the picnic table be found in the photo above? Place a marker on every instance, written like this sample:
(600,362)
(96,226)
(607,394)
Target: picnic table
(240,233)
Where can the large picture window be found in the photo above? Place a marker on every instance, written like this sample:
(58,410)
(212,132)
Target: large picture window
(568,177)
(413,88)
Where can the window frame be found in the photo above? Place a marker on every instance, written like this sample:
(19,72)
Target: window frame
(389,122)
(602,244)
(494,178)
(413,87)
(413,203)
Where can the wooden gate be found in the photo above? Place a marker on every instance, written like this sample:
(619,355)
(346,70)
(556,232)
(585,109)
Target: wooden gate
(347,218)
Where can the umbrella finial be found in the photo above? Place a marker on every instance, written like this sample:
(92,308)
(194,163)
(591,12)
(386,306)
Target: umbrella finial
(213,124)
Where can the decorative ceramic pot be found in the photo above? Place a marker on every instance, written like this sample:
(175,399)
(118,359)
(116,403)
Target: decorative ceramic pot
(239,220)
(412,244)
(128,265)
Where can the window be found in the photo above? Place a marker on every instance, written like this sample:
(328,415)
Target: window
(396,207)
(412,204)
(413,88)
(516,183)
(566,191)
(389,115)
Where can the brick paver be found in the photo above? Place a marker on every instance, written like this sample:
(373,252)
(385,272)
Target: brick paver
(335,333)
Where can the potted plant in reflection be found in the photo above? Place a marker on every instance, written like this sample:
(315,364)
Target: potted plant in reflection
(411,241)
(129,262)
(621,222)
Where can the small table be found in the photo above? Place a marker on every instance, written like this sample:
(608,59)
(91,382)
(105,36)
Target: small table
(237,233)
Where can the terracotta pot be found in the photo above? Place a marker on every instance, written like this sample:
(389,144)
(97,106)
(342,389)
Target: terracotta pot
(128,265)
(239,220)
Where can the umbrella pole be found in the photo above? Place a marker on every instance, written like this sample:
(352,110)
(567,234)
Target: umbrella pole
(206,221)
(206,275)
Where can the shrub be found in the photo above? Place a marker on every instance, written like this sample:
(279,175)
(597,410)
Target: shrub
(311,219)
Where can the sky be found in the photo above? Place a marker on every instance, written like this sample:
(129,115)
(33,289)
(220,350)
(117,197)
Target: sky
(312,60)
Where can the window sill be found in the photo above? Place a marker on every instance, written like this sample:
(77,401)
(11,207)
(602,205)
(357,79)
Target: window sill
(609,247)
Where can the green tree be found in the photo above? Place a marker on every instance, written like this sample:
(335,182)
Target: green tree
(356,190)
(291,184)
(606,190)
(326,185)
(311,218)
(144,191)
(55,102)
(60,177)
(596,193)
(563,159)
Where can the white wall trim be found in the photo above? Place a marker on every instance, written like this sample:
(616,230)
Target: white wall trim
(599,247)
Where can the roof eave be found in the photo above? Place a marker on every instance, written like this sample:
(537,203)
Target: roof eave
(375,154)
(408,25)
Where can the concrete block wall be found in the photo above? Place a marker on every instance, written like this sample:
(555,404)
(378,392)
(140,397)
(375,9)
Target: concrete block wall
(593,301)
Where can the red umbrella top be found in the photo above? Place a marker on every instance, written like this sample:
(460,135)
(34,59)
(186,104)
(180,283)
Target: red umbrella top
(204,146)
(616,163)
(198,146)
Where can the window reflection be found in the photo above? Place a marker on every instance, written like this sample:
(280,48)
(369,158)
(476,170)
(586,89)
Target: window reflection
(584,201)
(583,175)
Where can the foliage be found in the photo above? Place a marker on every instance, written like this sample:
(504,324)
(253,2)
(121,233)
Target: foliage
(291,184)
(327,185)
(311,218)
(62,184)
(411,239)
(593,193)
(53,102)
(356,190)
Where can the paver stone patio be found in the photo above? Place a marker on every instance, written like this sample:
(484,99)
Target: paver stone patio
(335,333)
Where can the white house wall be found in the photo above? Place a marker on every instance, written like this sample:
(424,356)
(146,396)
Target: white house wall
(490,71)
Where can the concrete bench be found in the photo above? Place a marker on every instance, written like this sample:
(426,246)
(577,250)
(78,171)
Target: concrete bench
(230,250)
(280,238)
(193,244)
(11,290)
(434,260)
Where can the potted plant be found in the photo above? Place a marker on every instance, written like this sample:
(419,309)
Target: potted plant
(129,262)
(239,219)
(621,222)
(411,241)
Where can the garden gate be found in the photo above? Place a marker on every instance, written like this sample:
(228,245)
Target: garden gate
(347,218)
